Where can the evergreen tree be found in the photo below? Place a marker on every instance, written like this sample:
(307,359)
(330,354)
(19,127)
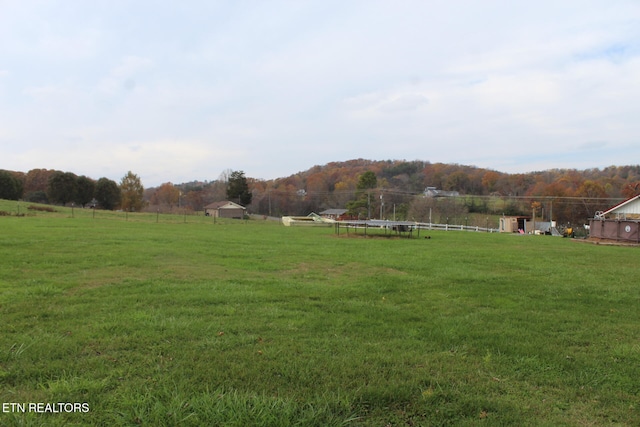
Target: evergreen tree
(238,188)
(362,203)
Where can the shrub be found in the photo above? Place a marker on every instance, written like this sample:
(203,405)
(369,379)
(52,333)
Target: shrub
(41,208)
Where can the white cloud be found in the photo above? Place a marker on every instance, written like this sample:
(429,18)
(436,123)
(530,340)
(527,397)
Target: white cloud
(46,93)
(156,161)
(277,87)
(124,76)
(374,104)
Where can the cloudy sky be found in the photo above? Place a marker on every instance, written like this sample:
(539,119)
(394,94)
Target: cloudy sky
(182,90)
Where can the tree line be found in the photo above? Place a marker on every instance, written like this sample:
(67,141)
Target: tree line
(58,187)
(194,196)
(389,189)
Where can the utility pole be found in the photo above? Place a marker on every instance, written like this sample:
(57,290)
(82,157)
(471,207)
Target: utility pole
(534,221)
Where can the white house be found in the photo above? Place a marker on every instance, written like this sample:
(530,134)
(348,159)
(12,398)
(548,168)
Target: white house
(629,209)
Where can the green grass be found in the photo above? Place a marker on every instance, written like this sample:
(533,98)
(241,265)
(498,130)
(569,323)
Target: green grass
(172,320)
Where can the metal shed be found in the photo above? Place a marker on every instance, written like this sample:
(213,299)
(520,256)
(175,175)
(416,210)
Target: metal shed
(513,224)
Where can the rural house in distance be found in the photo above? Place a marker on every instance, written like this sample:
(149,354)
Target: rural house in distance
(225,209)
(434,192)
(335,214)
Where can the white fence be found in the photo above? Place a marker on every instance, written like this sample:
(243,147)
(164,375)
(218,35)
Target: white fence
(453,227)
(406,226)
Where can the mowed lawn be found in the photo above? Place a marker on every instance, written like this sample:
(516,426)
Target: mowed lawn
(161,322)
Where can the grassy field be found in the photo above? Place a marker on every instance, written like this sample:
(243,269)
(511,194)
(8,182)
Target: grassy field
(159,321)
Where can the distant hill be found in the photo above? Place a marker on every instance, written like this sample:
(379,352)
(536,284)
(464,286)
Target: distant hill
(399,181)
(415,176)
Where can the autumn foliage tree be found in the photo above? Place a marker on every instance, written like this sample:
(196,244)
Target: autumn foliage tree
(36,184)
(131,192)
(631,189)
(166,195)
(590,192)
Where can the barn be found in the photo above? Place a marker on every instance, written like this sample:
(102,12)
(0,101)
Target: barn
(619,223)
(225,209)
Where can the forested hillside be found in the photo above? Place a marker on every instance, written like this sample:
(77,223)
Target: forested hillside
(570,195)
